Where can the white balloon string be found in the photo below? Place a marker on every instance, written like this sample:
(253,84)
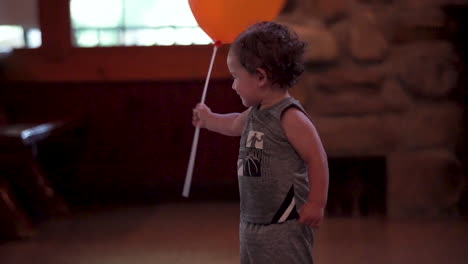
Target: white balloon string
(193,152)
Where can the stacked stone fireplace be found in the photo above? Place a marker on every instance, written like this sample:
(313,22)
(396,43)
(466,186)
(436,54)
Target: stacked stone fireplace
(381,81)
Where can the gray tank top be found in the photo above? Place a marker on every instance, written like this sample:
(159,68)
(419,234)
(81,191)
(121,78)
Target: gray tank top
(273,180)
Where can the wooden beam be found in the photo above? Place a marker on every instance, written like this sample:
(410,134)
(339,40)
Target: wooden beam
(55,24)
(116,64)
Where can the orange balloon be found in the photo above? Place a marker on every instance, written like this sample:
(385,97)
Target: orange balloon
(223,20)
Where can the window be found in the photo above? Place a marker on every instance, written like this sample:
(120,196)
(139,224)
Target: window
(18,25)
(18,37)
(134,23)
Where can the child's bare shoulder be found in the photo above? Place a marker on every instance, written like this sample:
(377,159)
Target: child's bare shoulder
(293,115)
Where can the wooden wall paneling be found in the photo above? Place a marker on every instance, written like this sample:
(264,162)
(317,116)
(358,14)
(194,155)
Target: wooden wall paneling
(138,136)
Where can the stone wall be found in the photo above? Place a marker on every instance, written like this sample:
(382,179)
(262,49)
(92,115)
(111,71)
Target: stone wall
(380,80)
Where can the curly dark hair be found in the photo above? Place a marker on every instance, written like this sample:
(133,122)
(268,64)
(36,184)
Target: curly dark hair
(274,48)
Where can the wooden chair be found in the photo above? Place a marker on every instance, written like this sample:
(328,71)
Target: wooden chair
(26,193)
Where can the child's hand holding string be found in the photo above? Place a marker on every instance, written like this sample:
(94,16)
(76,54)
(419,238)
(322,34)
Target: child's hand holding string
(200,114)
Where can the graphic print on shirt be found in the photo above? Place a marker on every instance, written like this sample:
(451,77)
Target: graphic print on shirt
(250,164)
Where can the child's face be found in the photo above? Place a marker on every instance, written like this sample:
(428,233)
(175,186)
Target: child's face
(245,83)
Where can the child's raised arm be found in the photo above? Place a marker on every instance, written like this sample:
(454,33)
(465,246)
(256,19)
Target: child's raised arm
(231,124)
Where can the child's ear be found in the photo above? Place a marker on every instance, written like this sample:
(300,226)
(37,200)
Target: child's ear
(262,76)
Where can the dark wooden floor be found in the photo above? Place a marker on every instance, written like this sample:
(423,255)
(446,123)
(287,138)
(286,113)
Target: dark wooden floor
(206,233)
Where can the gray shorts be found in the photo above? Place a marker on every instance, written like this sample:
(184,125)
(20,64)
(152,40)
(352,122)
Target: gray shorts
(289,242)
